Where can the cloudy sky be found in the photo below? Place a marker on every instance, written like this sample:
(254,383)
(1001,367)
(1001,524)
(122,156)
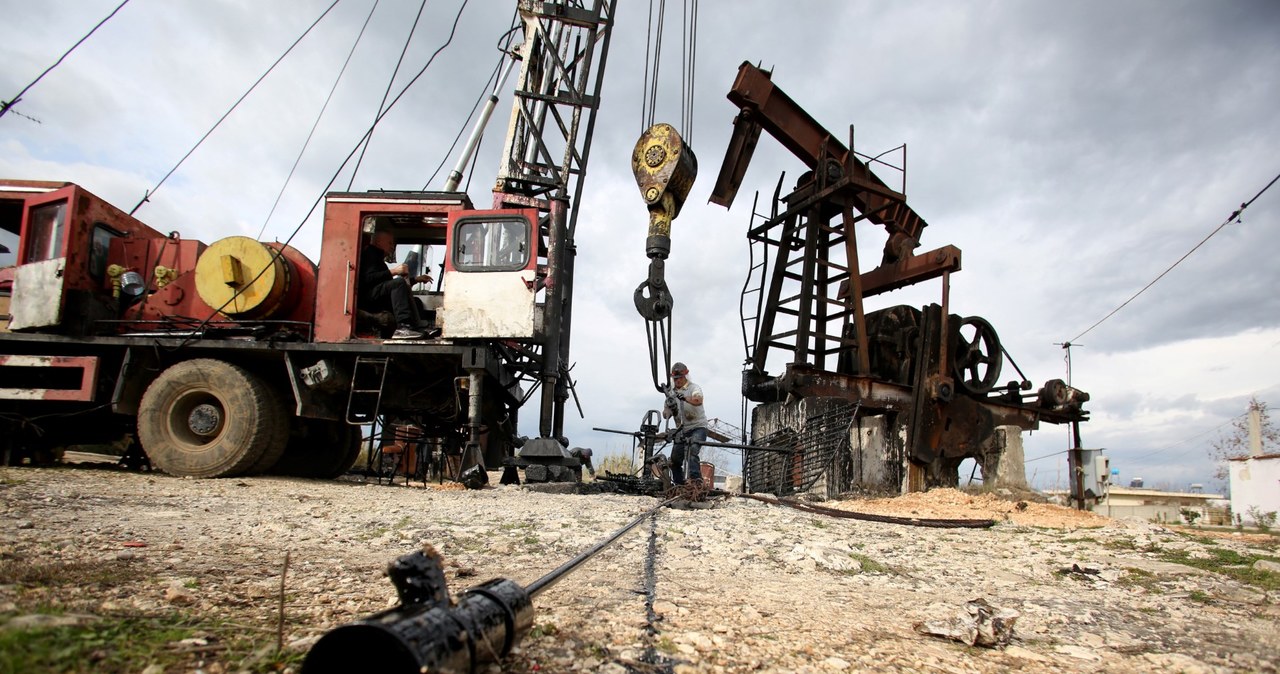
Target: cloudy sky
(1073,151)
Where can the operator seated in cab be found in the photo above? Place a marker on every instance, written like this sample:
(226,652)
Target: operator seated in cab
(388,289)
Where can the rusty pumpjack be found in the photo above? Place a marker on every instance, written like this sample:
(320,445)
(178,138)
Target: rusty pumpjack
(932,373)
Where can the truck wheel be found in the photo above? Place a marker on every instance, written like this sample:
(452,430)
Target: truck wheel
(343,450)
(275,450)
(209,418)
(320,448)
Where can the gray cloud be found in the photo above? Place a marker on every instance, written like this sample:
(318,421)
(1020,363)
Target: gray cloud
(1073,150)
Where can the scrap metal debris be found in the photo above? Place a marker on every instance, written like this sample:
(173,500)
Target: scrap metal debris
(977,624)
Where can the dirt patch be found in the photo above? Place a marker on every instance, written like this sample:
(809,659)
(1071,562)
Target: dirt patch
(956,504)
(176,575)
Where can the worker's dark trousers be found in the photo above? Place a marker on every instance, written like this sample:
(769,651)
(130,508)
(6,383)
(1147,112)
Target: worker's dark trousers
(396,293)
(684,455)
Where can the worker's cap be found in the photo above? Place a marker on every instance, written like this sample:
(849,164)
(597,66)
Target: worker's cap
(679,369)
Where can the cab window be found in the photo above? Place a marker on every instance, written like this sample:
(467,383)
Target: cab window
(45,230)
(491,244)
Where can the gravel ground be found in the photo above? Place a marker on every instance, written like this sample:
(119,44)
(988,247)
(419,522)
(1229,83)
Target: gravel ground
(742,586)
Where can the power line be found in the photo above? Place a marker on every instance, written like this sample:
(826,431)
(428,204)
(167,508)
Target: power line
(1046,456)
(1234,217)
(147,195)
(1186,440)
(6,105)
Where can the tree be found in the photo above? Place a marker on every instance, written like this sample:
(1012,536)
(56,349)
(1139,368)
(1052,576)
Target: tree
(1234,443)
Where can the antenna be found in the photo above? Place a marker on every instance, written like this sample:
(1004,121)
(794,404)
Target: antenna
(1066,346)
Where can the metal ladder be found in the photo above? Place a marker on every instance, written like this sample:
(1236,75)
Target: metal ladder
(757,271)
(365,397)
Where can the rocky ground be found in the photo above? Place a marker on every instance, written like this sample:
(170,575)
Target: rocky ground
(191,570)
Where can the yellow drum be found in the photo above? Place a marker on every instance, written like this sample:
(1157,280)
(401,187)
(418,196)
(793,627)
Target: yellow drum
(244,278)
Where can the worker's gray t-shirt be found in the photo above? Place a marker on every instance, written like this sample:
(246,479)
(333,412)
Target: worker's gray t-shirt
(691,416)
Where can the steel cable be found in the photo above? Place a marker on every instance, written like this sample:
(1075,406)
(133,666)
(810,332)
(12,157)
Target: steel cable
(276,254)
(395,71)
(320,116)
(5,106)
(147,195)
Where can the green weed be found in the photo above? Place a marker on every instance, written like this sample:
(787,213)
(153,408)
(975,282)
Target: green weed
(1228,562)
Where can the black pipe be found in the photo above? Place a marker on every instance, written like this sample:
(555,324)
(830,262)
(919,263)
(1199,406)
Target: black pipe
(551,578)
(427,634)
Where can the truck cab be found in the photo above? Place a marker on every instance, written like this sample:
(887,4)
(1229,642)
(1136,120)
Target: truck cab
(485,285)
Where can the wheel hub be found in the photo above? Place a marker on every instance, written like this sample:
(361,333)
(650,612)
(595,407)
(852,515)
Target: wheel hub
(204,419)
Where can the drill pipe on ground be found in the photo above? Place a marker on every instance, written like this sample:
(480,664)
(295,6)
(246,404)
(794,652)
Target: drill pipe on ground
(939,523)
(429,633)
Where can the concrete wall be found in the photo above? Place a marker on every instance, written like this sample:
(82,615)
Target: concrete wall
(1255,482)
(1159,512)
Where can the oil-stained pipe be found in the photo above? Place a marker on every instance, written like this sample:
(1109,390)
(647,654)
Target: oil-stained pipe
(427,634)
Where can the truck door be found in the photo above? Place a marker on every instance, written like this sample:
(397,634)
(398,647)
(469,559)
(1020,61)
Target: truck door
(42,259)
(490,278)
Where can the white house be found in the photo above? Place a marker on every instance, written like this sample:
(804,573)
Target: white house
(1255,483)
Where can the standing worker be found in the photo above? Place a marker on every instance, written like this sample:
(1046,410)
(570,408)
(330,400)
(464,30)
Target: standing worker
(684,402)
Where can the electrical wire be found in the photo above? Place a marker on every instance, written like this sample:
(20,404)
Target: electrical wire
(1186,440)
(320,116)
(1234,217)
(1046,456)
(5,106)
(278,253)
(147,195)
(1158,451)
(395,71)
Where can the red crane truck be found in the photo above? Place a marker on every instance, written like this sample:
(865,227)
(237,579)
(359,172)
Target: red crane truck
(242,356)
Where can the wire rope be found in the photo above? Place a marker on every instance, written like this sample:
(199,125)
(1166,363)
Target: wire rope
(320,116)
(5,106)
(276,254)
(484,93)
(395,71)
(148,194)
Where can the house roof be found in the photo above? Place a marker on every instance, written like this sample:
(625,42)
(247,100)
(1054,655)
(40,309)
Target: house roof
(1154,493)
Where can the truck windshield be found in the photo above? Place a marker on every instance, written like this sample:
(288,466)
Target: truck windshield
(491,244)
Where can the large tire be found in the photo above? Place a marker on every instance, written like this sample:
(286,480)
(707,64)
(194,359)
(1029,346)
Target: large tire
(271,455)
(320,448)
(209,418)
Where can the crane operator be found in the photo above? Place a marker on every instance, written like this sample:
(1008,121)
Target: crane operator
(684,403)
(382,288)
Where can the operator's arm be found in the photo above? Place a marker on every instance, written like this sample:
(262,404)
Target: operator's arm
(691,395)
